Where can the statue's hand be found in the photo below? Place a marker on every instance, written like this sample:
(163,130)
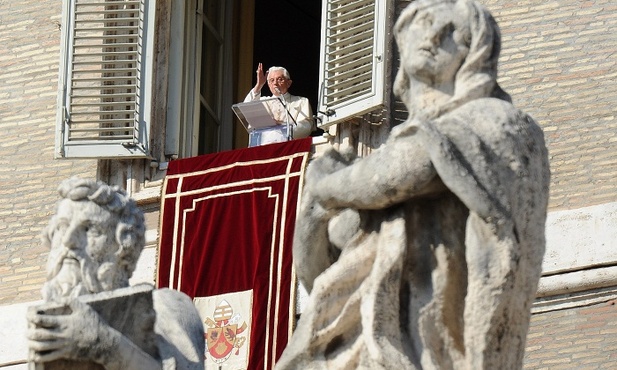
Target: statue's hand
(79,335)
(326,164)
(329,162)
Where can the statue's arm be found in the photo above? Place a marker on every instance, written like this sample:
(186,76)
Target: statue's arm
(399,171)
(83,336)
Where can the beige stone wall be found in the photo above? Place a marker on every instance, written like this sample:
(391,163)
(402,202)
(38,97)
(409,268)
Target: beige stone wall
(559,63)
(29,58)
(578,338)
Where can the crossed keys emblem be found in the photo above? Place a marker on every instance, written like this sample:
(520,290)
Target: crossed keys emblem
(222,335)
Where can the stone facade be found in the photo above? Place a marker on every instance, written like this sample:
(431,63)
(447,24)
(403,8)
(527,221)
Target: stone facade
(578,338)
(559,63)
(29,59)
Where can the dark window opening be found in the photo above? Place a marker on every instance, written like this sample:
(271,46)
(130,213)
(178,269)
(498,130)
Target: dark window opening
(287,34)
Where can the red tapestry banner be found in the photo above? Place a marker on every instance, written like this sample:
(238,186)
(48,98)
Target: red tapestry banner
(227,223)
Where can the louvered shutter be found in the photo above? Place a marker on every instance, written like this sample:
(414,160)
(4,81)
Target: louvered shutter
(352,58)
(104,101)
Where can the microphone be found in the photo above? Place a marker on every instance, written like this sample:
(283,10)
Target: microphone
(287,115)
(280,94)
(281,98)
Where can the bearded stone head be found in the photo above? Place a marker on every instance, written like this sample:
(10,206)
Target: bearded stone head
(95,239)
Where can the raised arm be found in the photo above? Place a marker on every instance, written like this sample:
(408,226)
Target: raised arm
(261,79)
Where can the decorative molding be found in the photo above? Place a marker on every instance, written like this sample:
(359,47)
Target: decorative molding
(573,300)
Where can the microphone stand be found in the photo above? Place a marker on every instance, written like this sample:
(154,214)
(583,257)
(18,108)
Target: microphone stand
(290,135)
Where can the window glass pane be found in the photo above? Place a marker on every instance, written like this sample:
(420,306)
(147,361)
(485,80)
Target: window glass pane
(212,10)
(211,50)
(208,132)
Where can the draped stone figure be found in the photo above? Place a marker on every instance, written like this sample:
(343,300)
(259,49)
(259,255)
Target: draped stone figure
(427,253)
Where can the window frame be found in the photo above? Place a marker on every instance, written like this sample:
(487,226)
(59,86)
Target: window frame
(101,142)
(182,127)
(333,110)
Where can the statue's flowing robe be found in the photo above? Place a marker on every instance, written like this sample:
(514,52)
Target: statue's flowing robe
(442,281)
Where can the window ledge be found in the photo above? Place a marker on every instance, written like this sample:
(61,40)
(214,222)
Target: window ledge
(150,193)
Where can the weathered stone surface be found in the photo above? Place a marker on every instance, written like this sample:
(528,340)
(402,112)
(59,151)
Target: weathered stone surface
(427,253)
(128,310)
(92,319)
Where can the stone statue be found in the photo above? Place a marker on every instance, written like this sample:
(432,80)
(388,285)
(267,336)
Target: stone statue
(426,254)
(96,237)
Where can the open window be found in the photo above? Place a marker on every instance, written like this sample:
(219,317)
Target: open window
(104,97)
(200,92)
(205,60)
(214,49)
(353,60)
(288,35)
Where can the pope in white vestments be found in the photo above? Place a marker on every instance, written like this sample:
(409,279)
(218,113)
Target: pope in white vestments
(295,110)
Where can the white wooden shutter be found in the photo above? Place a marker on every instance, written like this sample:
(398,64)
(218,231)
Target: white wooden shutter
(104,101)
(353,58)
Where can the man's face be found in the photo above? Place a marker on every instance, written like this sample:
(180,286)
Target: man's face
(277,82)
(433,49)
(83,245)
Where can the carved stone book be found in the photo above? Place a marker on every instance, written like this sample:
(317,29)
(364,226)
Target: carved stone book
(128,310)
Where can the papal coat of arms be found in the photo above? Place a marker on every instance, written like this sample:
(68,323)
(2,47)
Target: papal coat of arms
(223,333)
